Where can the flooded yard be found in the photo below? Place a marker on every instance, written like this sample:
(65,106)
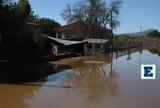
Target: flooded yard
(98,81)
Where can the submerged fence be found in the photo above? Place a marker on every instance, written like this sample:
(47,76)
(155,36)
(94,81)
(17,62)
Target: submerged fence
(117,45)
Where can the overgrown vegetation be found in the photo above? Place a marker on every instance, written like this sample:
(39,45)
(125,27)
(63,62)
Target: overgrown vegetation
(155,50)
(154,34)
(47,26)
(21,47)
(151,41)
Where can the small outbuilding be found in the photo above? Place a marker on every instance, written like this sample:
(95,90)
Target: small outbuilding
(78,31)
(96,45)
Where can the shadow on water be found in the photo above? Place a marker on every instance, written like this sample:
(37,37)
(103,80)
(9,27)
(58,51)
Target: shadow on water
(20,72)
(24,72)
(36,85)
(102,80)
(92,79)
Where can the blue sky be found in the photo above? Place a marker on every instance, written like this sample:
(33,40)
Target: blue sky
(134,13)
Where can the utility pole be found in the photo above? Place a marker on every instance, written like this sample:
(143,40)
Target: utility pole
(140,30)
(140,35)
(111,24)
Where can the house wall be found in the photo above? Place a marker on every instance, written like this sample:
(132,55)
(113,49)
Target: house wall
(92,48)
(79,30)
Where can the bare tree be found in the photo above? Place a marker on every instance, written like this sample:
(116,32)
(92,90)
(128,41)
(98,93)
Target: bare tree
(96,14)
(114,13)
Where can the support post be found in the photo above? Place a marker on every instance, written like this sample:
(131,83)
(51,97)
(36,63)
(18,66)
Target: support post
(57,35)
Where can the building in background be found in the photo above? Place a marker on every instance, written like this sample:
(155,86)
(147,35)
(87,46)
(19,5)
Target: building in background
(78,31)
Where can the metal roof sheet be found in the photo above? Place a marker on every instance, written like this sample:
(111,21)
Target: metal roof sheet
(64,42)
(96,40)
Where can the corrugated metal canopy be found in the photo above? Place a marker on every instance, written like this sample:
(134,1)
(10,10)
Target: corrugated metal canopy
(96,40)
(64,42)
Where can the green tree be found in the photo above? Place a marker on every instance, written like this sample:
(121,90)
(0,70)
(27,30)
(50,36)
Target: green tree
(25,7)
(47,26)
(16,34)
(23,53)
(154,33)
(19,37)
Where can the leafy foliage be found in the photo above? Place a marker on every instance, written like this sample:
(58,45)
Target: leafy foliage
(154,33)
(17,35)
(154,50)
(25,7)
(46,25)
(21,46)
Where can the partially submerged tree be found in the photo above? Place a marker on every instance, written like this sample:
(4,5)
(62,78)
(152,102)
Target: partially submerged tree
(96,14)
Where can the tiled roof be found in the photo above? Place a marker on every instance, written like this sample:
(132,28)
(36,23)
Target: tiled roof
(69,27)
(72,26)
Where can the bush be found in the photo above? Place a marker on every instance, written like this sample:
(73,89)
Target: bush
(154,50)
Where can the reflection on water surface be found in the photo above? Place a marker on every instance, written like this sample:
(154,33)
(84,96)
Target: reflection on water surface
(99,81)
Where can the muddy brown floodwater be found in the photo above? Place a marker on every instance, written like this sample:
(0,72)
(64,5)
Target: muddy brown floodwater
(99,81)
